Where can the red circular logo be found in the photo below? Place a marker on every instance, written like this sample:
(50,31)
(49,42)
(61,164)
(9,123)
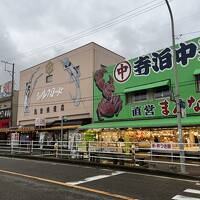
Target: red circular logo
(122,72)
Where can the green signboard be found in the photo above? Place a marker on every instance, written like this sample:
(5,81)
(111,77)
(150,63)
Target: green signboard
(144,87)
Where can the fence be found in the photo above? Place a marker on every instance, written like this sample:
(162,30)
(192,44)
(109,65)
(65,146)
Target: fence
(118,153)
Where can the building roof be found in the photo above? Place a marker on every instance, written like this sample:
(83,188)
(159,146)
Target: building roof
(83,46)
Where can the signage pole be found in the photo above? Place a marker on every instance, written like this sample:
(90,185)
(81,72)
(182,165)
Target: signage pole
(177,94)
(61,133)
(12,94)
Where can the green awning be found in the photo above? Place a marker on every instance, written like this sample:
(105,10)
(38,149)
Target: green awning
(147,123)
(147,86)
(196,71)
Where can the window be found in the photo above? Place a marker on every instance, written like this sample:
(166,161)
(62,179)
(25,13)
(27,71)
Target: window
(161,92)
(140,95)
(41,110)
(49,78)
(62,108)
(136,96)
(35,111)
(197,82)
(129,98)
(48,109)
(54,109)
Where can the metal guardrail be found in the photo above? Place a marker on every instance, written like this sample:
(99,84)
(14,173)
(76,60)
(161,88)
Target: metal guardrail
(123,153)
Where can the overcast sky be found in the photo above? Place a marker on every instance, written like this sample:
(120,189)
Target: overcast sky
(36,30)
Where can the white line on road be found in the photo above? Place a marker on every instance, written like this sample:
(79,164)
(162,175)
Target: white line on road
(118,196)
(94,178)
(192,191)
(180,197)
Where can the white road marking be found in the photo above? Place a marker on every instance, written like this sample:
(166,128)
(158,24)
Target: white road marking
(198,183)
(192,191)
(118,196)
(180,197)
(94,178)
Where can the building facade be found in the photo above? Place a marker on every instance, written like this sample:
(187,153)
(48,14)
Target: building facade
(5,108)
(61,88)
(135,99)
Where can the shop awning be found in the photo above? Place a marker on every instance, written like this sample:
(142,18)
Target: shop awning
(196,71)
(4,130)
(147,86)
(148,123)
(59,127)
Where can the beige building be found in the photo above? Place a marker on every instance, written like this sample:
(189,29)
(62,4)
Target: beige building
(62,86)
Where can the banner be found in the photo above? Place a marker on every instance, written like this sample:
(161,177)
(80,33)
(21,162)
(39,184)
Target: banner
(6,89)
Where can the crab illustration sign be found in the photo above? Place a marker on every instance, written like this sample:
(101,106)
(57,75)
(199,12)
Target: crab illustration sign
(110,104)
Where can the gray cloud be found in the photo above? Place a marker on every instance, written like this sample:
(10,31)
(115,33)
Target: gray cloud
(7,48)
(26,25)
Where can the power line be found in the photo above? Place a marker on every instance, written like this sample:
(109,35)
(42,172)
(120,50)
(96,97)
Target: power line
(188,33)
(102,26)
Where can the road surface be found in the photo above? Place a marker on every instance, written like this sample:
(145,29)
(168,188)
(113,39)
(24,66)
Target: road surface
(22,179)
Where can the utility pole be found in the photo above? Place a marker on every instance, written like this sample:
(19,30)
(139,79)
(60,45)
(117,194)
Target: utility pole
(177,94)
(12,73)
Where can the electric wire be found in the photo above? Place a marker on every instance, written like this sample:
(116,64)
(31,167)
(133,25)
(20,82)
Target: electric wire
(102,26)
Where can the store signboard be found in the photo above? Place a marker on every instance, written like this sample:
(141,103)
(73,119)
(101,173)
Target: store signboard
(136,89)
(4,123)
(40,122)
(6,89)
(14,140)
(161,146)
(14,136)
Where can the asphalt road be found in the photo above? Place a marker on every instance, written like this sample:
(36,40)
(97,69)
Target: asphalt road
(37,180)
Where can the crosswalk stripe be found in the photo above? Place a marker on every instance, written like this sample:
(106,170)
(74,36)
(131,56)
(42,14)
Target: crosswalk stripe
(192,191)
(180,197)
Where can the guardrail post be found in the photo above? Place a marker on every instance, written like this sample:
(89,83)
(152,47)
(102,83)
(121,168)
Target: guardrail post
(31,147)
(88,150)
(11,147)
(151,152)
(172,153)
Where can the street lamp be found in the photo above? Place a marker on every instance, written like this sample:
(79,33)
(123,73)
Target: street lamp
(177,94)
(12,73)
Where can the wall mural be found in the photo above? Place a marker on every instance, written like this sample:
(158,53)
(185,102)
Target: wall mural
(110,104)
(29,87)
(74,73)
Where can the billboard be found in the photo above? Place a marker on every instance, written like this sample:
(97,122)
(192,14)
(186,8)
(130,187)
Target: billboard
(6,89)
(144,87)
